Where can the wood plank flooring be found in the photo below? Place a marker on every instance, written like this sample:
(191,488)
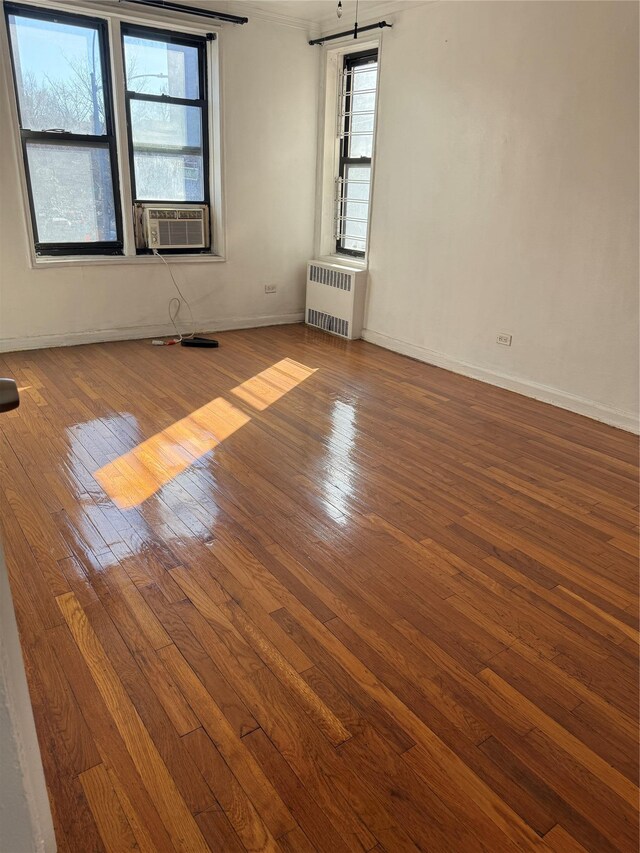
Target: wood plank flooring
(300,594)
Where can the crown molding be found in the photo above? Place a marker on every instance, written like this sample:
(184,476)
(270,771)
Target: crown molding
(253,9)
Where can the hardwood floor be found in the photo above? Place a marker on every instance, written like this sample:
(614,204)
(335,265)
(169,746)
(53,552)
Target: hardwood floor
(298,594)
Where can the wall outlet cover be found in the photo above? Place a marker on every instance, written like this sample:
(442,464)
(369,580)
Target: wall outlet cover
(270,288)
(504,339)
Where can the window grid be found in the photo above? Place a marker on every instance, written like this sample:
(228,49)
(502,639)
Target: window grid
(60,139)
(200,103)
(70,151)
(353,184)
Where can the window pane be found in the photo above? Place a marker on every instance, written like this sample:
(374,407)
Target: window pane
(362,105)
(167,143)
(357,182)
(365,77)
(72,192)
(172,127)
(357,245)
(58,75)
(361,123)
(159,68)
(168,177)
(355,207)
(365,102)
(354,228)
(361,145)
(356,210)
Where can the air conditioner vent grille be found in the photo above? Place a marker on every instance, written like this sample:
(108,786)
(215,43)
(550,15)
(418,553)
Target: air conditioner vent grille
(332,278)
(171,227)
(328,323)
(180,232)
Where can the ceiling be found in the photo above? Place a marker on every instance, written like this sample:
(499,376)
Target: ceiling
(322,12)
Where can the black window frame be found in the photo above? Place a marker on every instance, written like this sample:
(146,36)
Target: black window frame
(202,102)
(351,61)
(106,140)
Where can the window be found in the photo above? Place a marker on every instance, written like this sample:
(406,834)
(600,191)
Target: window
(167,115)
(66,125)
(357,106)
(73,136)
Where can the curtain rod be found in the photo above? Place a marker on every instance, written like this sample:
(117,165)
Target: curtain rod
(189,10)
(354,32)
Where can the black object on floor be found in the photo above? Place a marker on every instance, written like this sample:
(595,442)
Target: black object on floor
(9,397)
(198,342)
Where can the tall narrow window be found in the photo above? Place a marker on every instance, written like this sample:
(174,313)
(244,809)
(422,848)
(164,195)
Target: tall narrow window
(357,105)
(61,76)
(166,97)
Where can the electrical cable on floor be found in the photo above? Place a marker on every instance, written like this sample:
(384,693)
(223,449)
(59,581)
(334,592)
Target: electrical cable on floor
(190,340)
(177,302)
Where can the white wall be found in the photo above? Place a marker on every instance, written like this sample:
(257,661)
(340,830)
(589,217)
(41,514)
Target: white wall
(505,199)
(269,78)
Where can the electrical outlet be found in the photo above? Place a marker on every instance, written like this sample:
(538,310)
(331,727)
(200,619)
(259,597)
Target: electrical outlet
(270,288)
(504,339)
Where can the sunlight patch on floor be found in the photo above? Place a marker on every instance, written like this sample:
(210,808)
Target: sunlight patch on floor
(138,474)
(265,388)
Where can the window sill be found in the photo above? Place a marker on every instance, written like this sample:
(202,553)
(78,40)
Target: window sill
(344,261)
(112,260)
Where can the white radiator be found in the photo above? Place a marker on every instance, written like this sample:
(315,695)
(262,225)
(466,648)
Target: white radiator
(335,298)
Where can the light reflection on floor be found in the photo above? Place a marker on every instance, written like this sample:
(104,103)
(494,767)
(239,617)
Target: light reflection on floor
(340,445)
(138,474)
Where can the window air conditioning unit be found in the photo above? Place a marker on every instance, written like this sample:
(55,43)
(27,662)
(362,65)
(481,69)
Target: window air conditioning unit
(335,298)
(176,227)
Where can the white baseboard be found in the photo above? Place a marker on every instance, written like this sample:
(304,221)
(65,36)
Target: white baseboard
(127,333)
(599,412)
